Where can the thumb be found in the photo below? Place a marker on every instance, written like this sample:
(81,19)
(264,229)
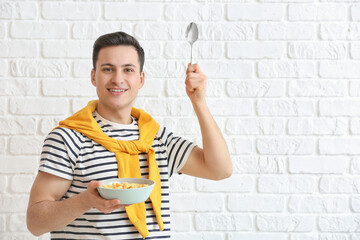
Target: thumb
(93,185)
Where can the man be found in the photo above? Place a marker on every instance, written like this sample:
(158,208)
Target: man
(85,149)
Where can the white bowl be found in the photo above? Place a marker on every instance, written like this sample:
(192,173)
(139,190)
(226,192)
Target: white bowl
(127,196)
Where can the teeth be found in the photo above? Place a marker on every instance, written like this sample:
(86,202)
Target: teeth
(117,90)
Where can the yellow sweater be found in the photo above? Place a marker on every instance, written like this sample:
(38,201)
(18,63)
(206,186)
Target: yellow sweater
(127,156)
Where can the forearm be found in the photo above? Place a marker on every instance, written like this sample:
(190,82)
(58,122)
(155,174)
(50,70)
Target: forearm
(49,215)
(215,151)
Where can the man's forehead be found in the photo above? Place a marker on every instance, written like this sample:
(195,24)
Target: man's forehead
(113,54)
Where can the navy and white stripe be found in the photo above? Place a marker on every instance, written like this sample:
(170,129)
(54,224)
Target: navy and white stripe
(71,155)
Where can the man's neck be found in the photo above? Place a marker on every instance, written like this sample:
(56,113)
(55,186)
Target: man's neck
(121,116)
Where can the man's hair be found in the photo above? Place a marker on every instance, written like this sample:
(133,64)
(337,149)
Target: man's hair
(116,39)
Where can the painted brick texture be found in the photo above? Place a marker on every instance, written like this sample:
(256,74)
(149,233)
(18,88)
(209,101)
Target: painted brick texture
(283,85)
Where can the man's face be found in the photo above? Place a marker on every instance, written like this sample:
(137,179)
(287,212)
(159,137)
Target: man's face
(117,77)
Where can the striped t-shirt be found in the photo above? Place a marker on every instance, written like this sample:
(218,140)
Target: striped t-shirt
(73,156)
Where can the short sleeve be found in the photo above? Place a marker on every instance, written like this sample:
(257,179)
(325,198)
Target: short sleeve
(59,153)
(178,151)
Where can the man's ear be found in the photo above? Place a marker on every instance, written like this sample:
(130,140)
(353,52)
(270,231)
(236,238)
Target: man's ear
(93,77)
(142,79)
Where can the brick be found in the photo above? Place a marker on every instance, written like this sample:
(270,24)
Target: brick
(129,11)
(255,12)
(285,108)
(241,146)
(152,88)
(355,50)
(47,124)
(13,203)
(258,165)
(340,31)
(323,50)
(182,183)
(286,31)
(192,12)
(355,165)
(29,145)
(255,88)
(336,224)
(79,104)
(39,68)
(70,11)
(339,107)
(355,203)
(227,69)
(38,106)
(3,185)
(317,12)
(17,126)
(4,68)
(181,222)
(236,183)
(355,236)
(339,69)
(318,204)
(318,165)
(181,125)
(176,88)
(339,184)
(21,183)
(172,107)
(4,107)
(237,31)
(335,146)
(255,126)
(18,87)
(355,12)
(18,10)
(230,107)
(165,69)
(256,235)
(152,49)
(158,31)
(18,49)
(3,30)
(285,69)
(39,30)
(285,146)
(197,202)
(2,223)
(18,165)
(200,236)
(223,222)
(255,203)
(69,88)
(317,126)
(201,50)
(286,184)
(94,29)
(255,50)
(3,145)
(67,49)
(306,88)
(283,223)
(82,68)
(16,223)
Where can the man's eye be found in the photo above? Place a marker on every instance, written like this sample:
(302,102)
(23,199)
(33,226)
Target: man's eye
(129,70)
(107,69)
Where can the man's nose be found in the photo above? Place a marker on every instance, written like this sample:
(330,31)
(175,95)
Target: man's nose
(118,77)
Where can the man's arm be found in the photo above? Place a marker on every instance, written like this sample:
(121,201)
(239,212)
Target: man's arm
(213,161)
(47,213)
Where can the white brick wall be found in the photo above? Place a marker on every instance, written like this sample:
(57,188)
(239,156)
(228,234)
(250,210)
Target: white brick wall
(283,86)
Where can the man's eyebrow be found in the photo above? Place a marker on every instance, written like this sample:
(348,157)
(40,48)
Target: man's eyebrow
(124,65)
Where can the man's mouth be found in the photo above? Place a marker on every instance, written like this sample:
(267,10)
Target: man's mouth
(117,90)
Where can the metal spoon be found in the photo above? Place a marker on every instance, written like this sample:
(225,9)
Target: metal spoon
(192,34)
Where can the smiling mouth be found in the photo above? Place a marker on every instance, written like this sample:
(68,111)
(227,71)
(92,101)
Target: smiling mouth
(117,90)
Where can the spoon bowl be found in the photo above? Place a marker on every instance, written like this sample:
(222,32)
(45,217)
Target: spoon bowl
(192,34)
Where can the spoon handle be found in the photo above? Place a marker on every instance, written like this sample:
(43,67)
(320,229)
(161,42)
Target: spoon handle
(191,56)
